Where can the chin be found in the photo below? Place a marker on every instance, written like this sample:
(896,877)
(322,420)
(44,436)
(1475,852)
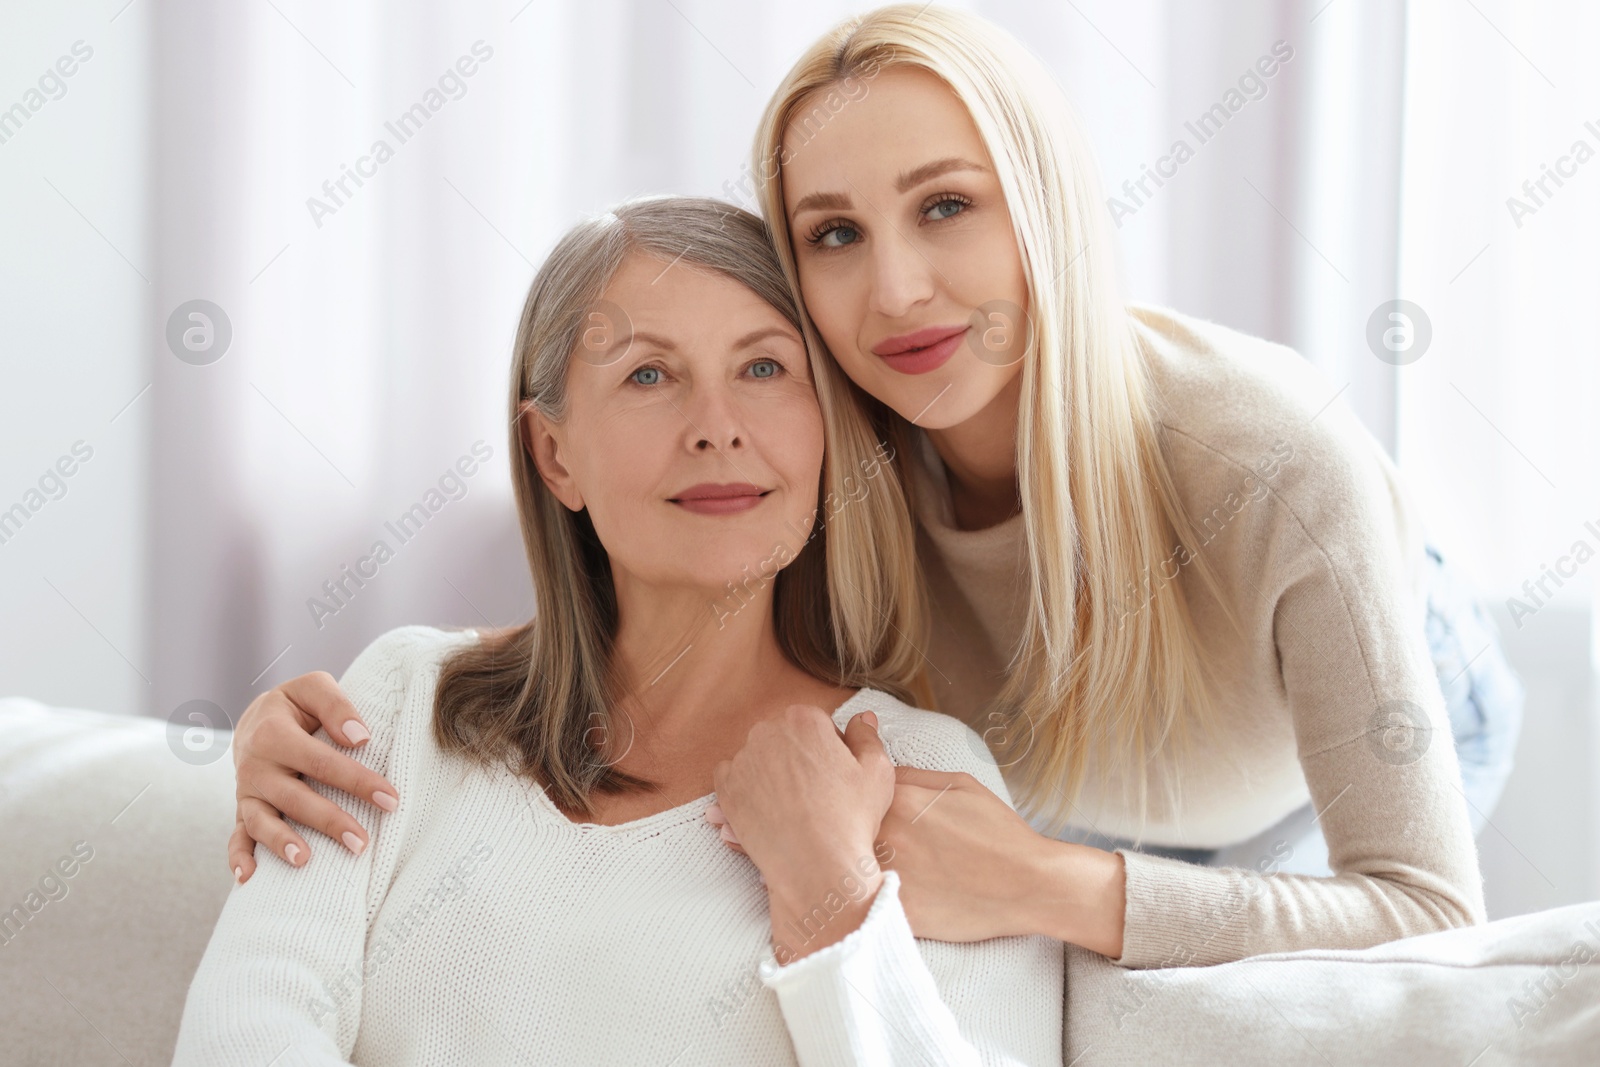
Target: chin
(958,399)
(744,560)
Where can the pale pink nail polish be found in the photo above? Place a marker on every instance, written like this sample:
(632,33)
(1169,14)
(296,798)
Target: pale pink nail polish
(352,842)
(291,853)
(386,801)
(356,732)
(238,875)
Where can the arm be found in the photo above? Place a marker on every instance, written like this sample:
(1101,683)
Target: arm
(282,975)
(1373,737)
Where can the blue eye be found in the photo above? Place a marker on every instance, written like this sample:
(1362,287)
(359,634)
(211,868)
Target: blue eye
(634,377)
(822,233)
(936,213)
(764,368)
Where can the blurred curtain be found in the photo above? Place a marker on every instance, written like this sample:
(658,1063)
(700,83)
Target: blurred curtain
(1500,421)
(372,295)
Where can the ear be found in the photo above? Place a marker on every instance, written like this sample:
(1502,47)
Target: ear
(546,444)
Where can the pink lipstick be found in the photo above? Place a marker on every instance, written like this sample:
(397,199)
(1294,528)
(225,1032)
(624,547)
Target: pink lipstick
(710,498)
(922,350)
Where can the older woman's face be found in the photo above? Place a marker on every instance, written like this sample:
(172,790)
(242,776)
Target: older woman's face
(692,433)
(908,263)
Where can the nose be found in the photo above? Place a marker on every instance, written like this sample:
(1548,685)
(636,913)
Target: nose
(902,276)
(715,420)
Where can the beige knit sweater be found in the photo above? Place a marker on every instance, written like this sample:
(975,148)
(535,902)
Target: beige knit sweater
(1310,528)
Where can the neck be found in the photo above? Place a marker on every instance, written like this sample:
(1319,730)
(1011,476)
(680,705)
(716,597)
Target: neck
(980,455)
(692,658)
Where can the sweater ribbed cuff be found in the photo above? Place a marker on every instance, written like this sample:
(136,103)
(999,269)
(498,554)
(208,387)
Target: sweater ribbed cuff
(884,909)
(868,998)
(1181,914)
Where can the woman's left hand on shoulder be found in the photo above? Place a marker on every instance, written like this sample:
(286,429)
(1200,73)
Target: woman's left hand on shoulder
(805,803)
(800,797)
(962,853)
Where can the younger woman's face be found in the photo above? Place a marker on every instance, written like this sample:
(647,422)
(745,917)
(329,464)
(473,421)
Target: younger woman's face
(907,260)
(692,433)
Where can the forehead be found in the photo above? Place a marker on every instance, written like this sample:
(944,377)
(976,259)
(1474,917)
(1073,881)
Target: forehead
(901,117)
(682,300)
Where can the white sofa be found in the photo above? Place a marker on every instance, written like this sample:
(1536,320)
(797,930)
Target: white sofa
(114,854)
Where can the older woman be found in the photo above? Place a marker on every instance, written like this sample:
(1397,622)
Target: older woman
(546,889)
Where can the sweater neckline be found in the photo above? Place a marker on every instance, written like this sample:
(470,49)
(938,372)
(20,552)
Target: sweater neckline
(936,512)
(674,815)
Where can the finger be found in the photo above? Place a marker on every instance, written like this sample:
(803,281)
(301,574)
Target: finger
(809,716)
(729,836)
(317,696)
(861,735)
(303,754)
(262,822)
(241,853)
(297,800)
(714,815)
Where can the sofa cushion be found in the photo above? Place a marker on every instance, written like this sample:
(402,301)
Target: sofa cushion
(113,874)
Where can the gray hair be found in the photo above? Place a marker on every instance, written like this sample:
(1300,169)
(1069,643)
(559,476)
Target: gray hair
(697,230)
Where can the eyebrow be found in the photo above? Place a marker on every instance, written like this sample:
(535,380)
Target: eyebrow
(906,181)
(667,344)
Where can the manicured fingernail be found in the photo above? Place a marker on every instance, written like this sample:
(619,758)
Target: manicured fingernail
(352,842)
(386,801)
(872,719)
(728,835)
(356,732)
(714,815)
(238,876)
(291,852)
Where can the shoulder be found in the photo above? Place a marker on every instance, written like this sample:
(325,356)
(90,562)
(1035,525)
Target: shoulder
(1233,395)
(1242,418)
(1196,364)
(384,672)
(915,737)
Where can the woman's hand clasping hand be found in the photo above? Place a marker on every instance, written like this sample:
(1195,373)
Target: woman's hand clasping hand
(807,802)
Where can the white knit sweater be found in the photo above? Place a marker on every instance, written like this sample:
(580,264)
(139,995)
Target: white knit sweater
(481,926)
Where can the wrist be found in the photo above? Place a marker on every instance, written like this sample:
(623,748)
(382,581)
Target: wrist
(1079,895)
(820,909)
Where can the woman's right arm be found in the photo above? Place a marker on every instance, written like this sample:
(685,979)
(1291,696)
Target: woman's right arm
(282,977)
(273,746)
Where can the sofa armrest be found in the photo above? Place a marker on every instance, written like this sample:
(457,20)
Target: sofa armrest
(1524,989)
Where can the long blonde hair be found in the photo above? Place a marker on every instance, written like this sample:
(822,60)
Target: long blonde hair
(544,696)
(1099,506)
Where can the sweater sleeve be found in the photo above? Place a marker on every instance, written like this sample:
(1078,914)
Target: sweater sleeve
(872,998)
(280,981)
(1371,729)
